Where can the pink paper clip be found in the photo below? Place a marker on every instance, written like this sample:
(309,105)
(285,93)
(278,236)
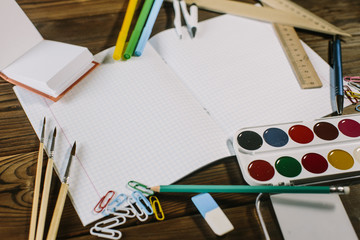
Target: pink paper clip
(104,201)
(352,79)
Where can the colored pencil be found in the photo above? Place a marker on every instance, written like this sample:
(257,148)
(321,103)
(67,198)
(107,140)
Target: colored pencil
(250,189)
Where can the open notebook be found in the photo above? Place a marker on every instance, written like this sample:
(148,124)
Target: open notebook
(157,118)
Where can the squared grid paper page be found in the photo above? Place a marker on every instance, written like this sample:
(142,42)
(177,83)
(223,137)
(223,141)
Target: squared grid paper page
(237,69)
(131,120)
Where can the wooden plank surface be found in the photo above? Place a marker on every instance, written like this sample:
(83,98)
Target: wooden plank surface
(95,24)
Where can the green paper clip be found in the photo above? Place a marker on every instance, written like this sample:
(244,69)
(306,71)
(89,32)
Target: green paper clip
(141,187)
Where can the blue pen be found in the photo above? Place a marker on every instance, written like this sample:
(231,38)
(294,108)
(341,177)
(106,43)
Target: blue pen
(337,65)
(148,27)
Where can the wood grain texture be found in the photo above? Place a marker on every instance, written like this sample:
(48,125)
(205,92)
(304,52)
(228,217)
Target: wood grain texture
(95,24)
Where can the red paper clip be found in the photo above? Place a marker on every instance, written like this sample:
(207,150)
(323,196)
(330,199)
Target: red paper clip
(104,201)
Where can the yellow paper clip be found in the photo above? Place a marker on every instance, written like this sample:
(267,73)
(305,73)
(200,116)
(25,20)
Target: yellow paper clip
(141,187)
(352,96)
(155,204)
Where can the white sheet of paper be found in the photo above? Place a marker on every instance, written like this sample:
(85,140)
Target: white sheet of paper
(18,34)
(239,72)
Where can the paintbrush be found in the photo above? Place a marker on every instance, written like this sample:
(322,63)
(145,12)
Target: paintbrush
(55,221)
(37,184)
(46,190)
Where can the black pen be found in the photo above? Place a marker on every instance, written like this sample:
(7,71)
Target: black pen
(338,76)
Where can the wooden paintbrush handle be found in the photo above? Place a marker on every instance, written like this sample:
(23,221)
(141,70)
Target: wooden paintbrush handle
(36,192)
(55,221)
(44,200)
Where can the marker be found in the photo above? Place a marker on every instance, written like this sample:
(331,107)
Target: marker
(120,43)
(138,28)
(148,27)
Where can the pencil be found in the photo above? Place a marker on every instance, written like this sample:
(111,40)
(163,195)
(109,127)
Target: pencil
(137,29)
(120,43)
(55,220)
(37,184)
(46,190)
(250,189)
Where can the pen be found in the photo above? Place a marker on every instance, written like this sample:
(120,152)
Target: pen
(120,43)
(148,27)
(137,29)
(55,220)
(337,66)
(190,19)
(250,189)
(194,17)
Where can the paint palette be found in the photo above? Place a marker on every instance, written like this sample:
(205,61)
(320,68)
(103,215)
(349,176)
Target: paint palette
(324,150)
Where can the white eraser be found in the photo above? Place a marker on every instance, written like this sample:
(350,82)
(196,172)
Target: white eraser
(212,213)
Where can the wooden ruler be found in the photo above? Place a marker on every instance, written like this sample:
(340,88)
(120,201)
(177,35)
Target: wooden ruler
(299,60)
(297,10)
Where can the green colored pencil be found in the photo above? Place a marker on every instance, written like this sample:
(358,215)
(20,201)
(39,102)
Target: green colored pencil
(134,38)
(250,189)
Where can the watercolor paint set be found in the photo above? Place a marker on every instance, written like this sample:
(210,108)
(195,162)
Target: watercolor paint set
(322,150)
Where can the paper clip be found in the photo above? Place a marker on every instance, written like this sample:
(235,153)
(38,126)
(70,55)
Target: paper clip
(139,213)
(124,211)
(111,222)
(353,97)
(355,85)
(142,202)
(118,201)
(104,201)
(352,79)
(357,108)
(155,204)
(105,233)
(141,187)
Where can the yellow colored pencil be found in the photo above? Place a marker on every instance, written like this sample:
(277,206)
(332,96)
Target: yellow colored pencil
(120,43)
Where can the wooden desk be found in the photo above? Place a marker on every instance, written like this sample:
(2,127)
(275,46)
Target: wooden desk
(95,24)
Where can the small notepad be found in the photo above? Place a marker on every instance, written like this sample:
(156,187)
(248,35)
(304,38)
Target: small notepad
(49,68)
